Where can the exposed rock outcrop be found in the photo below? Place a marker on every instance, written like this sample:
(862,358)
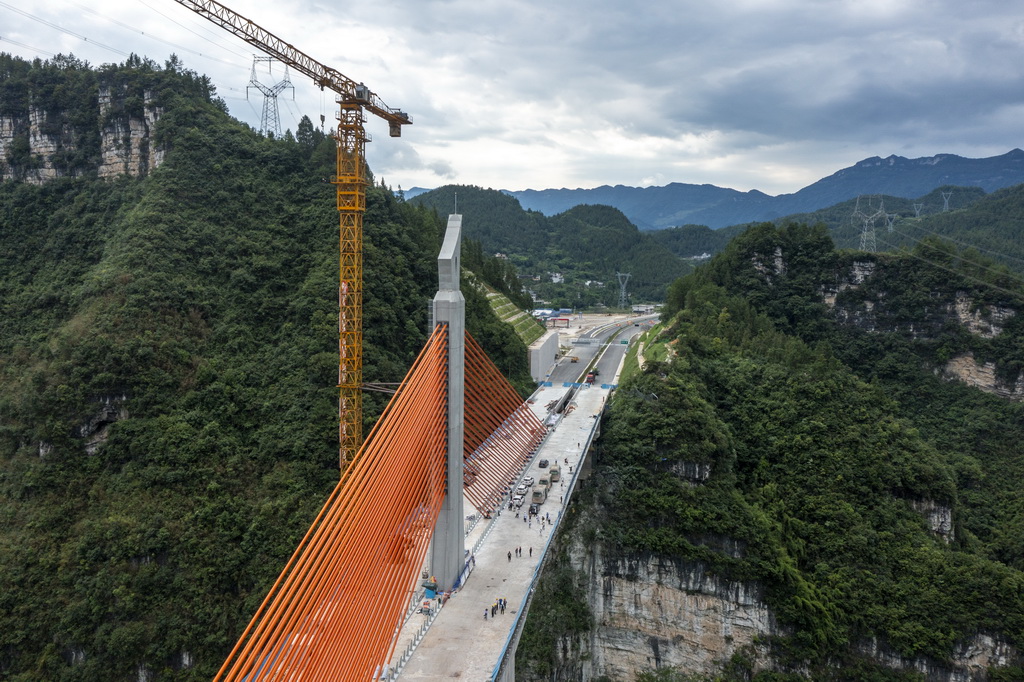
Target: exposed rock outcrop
(987,321)
(939,517)
(97,429)
(877,312)
(982,375)
(652,613)
(126,147)
(655,613)
(692,472)
(851,279)
(35,145)
(777,268)
(970,663)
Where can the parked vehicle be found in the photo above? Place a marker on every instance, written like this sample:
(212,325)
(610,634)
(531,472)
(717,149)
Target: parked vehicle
(543,464)
(554,474)
(528,481)
(544,482)
(534,509)
(540,493)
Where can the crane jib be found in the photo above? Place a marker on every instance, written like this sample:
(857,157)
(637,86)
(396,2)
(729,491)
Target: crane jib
(322,75)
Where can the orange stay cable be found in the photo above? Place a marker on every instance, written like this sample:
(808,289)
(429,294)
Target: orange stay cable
(309,613)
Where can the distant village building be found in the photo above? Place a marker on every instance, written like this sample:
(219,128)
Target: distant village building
(557,277)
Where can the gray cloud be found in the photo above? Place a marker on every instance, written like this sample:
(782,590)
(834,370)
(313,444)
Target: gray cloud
(767,94)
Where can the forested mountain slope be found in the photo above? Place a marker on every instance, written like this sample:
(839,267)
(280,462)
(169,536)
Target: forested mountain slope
(583,244)
(168,353)
(799,493)
(990,223)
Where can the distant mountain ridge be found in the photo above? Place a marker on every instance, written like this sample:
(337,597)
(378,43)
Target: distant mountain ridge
(655,208)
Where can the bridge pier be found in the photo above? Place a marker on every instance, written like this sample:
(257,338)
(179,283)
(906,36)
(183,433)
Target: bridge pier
(448,547)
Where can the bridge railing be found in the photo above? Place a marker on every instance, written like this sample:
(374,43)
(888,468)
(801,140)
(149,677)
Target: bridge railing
(509,648)
(414,643)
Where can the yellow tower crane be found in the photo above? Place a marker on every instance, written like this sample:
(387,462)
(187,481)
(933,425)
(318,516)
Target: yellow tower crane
(350,181)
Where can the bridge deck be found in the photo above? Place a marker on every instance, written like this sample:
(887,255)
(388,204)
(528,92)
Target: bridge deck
(461,642)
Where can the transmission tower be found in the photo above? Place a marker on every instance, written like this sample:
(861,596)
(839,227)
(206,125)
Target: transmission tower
(270,123)
(623,278)
(890,220)
(945,200)
(917,210)
(867,234)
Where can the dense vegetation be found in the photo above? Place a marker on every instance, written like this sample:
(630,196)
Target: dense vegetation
(586,245)
(190,319)
(826,443)
(988,223)
(689,241)
(66,91)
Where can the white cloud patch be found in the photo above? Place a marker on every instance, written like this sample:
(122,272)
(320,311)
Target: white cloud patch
(767,94)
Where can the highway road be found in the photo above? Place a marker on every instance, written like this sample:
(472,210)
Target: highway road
(594,335)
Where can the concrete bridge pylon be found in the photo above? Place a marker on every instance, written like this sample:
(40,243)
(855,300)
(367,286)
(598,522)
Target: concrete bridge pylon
(447,549)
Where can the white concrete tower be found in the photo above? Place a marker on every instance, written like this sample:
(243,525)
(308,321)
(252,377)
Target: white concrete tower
(448,545)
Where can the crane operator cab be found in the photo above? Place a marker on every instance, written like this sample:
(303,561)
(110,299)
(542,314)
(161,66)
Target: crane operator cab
(362,94)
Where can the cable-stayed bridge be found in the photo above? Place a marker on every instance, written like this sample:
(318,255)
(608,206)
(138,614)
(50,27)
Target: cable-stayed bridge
(417,540)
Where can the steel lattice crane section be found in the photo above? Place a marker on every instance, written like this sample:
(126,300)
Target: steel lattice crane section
(350,181)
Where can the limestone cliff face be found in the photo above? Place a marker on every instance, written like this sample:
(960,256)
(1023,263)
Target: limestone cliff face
(877,312)
(939,517)
(652,613)
(873,312)
(970,663)
(982,375)
(95,431)
(37,146)
(125,146)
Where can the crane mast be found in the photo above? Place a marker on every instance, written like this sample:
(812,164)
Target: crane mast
(354,99)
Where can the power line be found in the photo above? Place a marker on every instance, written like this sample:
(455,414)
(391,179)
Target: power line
(968,245)
(27,47)
(295,118)
(151,36)
(217,43)
(62,29)
(1015,294)
(86,39)
(976,264)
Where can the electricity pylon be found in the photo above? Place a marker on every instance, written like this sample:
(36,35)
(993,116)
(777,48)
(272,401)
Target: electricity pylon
(623,278)
(270,123)
(867,234)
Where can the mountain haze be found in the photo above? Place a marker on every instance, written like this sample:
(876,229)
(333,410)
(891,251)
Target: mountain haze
(655,208)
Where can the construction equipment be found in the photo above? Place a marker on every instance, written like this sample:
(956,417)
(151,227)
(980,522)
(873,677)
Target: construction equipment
(350,182)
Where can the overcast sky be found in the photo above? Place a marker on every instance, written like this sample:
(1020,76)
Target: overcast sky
(518,94)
